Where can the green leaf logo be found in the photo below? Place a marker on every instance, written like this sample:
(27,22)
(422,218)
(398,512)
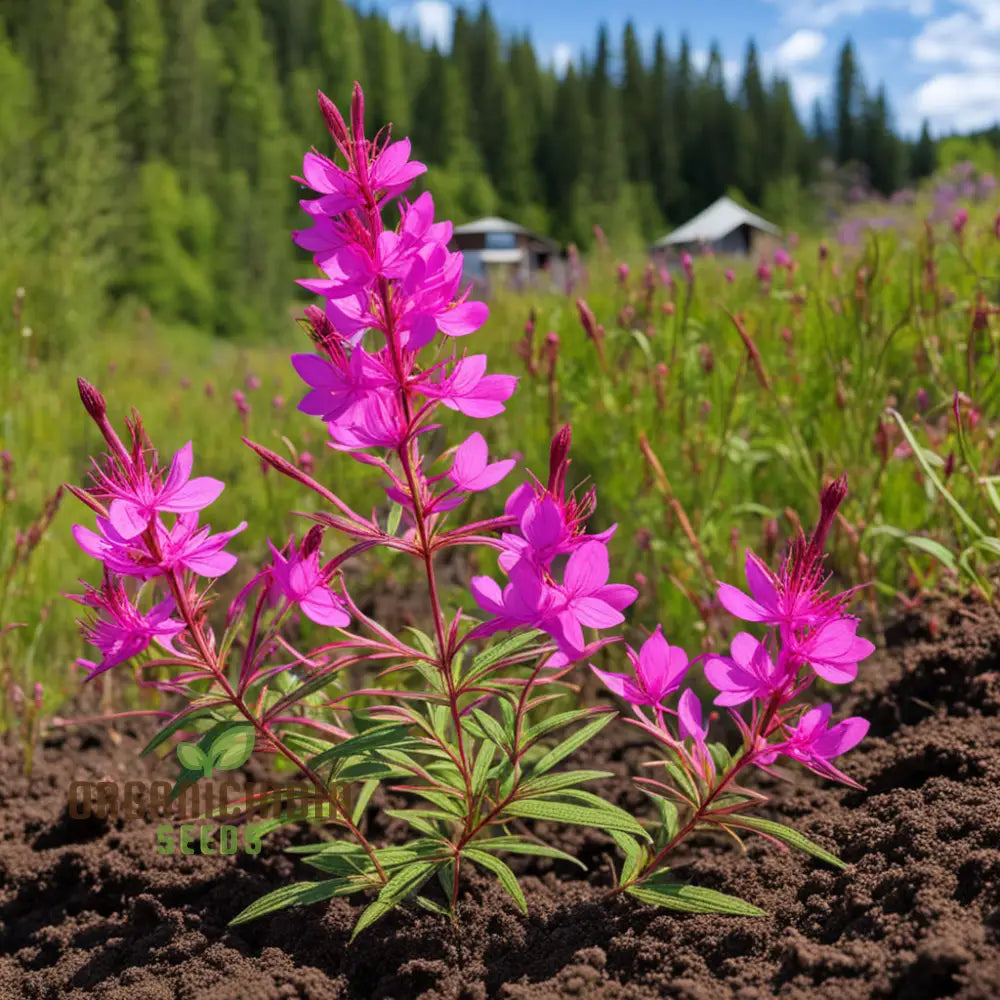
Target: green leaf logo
(222,749)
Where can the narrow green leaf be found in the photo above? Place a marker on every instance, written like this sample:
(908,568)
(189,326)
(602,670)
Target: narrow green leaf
(380,736)
(571,743)
(481,768)
(682,780)
(787,835)
(180,721)
(372,912)
(933,548)
(933,477)
(364,797)
(691,899)
(506,877)
(635,855)
(297,894)
(553,722)
(493,730)
(668,814)
(559,780)
(608,818)
(392,521)
(499,650)
(517,845)
(432,907)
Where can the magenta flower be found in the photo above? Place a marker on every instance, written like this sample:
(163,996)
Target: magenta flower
(749,673)
(472,470)
(120,630)
(339,385)
(814,745)
(526,601)
(833,649)
(775,600)
(658,671)
(689,719)
(299,579)
(782,258)
(469,390)
(730,275)
(958,221)
(183,546)
(390,172)
(587,599)
(134,504)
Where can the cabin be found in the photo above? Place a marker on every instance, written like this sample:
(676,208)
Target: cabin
(496,249)
(725,227)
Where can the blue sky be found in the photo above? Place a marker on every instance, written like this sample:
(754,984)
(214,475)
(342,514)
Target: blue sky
(939,59)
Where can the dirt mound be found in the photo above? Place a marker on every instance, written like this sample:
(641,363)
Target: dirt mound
(89,909)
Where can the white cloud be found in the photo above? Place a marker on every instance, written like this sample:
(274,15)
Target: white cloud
(802,46)
(964,49)
(959,101)
(824,13)
(561,58)
(433,20)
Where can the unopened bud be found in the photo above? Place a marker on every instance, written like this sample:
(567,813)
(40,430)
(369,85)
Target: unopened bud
(314,536)
(357,113)
(587,318)
(334,120)
(92,399)
(559,460)
(38,696)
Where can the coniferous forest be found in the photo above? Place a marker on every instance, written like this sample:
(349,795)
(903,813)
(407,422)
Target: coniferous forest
(146,145)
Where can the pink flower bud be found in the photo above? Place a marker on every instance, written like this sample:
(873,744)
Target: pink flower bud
(958,221)
(622,273)
(253,382)
(306,462)
(278,403)
(730,275)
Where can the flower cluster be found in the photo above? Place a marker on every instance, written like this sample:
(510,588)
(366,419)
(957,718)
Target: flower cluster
(809,636)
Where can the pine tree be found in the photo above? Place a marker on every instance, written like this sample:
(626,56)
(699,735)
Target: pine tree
(849,96)
(664,157)
(635,108)
(923,160)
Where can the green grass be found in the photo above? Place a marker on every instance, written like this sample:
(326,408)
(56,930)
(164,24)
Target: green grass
(737,445)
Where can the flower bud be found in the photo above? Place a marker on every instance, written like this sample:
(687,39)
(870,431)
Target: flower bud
(93,402)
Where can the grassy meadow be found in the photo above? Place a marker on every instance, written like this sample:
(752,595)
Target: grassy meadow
(707,413)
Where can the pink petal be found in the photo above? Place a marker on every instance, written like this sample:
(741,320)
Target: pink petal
(760,583)
(623,686)
(841,737)
(595,613)
(470,459)
(542,522)
(127,518)
(324,609)
(587,569)
(737,603)
(195,495)
(487,593)
(463,319)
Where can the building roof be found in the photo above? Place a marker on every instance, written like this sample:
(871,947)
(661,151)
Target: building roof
(494,224)
(715,222)
(490,224)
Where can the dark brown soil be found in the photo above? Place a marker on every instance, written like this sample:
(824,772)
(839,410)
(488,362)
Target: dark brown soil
(91,910)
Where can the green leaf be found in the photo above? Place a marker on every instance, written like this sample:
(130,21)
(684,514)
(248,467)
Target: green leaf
(493,730)
(562,779)
(192,758)
(635,855)
(518,845)
(392,521)
(432,907)
(669,819)
(297,894)
(392,735)
(404,883)
(933,548)
(481,768)
(933,477)
(233,748)
(682,779)
(364,797)
(179,721)
(363,770)
(691,899)
(785,834)
(506,877)
(500,650)
(608,818)
(720,757)
(554,722)
(571,743)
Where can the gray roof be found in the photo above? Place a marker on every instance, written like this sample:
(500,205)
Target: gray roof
(490,224)
(494,224)
(715,222)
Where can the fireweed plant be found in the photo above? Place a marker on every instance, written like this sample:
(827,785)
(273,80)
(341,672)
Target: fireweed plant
(454,727)
(808,635)
(462,736)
